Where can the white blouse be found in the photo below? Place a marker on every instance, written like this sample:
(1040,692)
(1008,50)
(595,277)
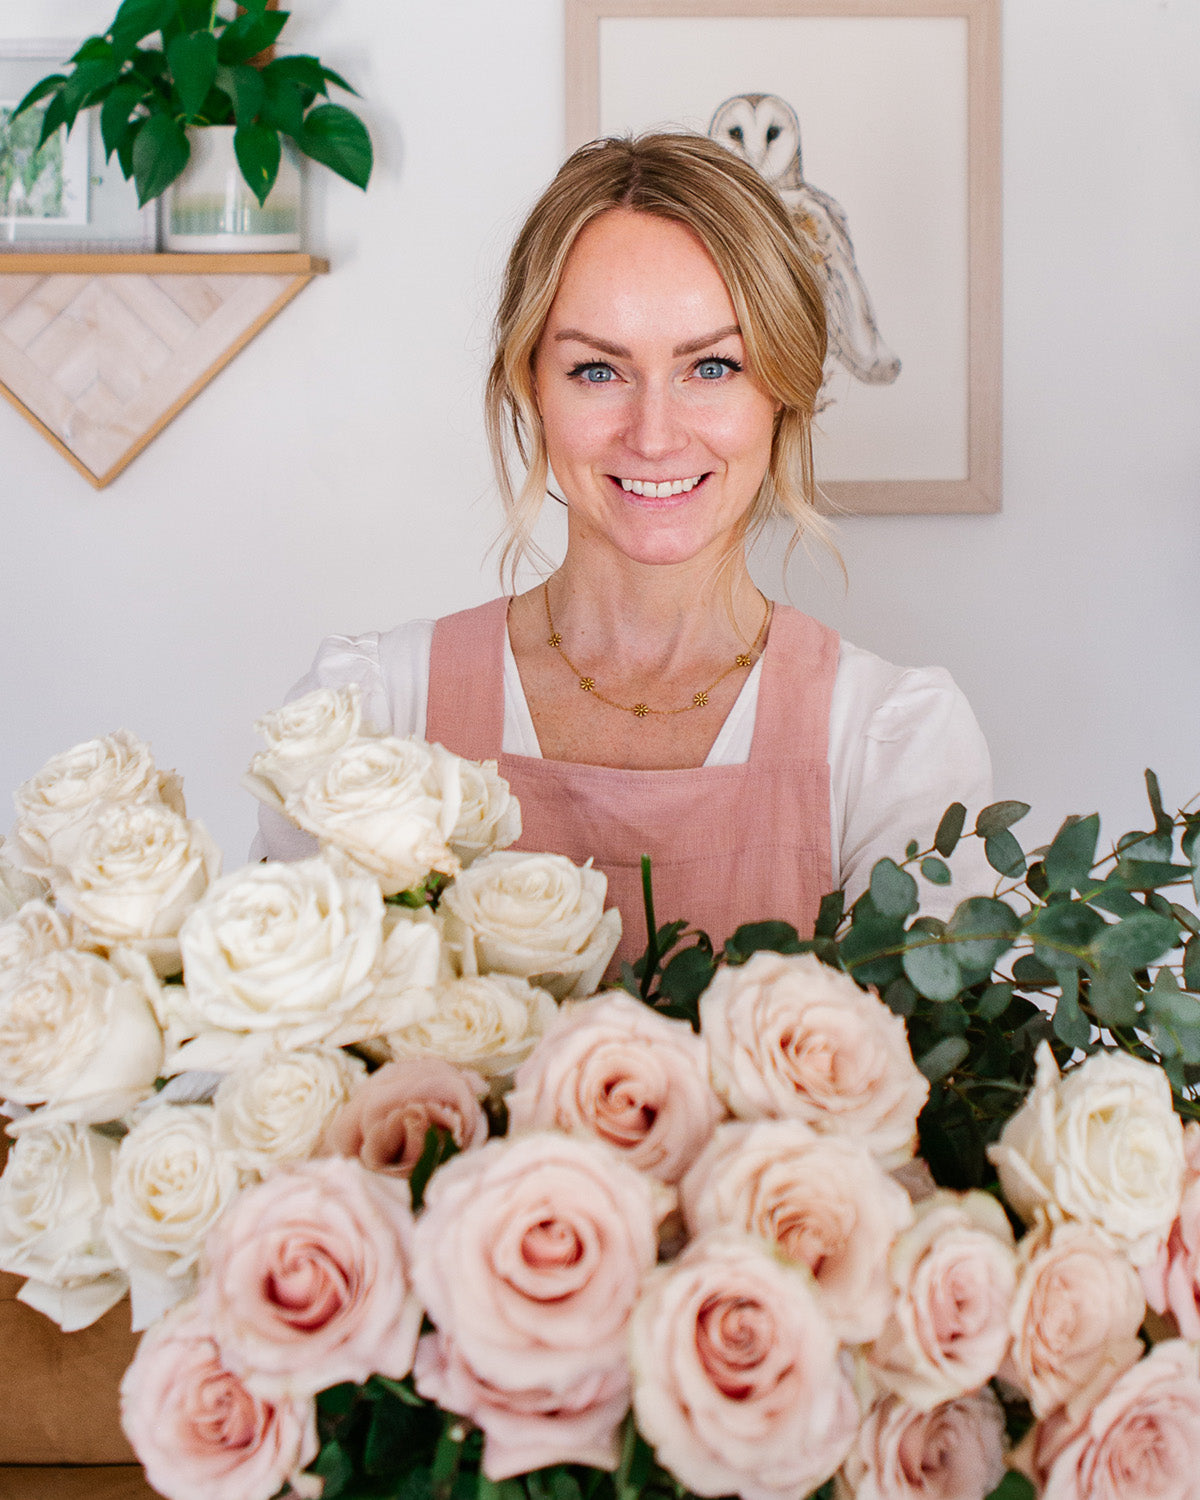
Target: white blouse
(903,745)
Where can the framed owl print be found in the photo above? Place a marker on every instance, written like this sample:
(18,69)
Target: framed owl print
(879,123)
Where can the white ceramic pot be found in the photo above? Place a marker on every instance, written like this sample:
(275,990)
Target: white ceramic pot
(210,207)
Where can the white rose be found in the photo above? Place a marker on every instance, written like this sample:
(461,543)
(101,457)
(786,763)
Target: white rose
(138,870)
(79,1037)
(53,1193)
(489,815)
(302,737)
(53,805)
(490,1023)
(402,990)
(382,807)
(282,949)
(172,1181)
(276,1107)
(791,1038)
(16,887)
(31,933)
(1101,1145)
(535,915)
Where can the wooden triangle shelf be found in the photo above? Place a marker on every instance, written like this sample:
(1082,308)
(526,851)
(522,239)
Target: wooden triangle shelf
(100,352)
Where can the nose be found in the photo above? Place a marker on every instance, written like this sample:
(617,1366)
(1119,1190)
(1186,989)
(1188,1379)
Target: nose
(655,427)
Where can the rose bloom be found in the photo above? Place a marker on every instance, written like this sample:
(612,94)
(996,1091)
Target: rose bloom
(528,1429)
(55,1186)
(1140,1441)
(16,887)
(79,1037)
(736,1376)
(791,1038)
(1075,1316)
(821,1201)
(490,1024)
(383,807)
(275,1106)
(54,806)
(536,915)
(27,935)
(302,737)
(284,949)
(613,1068)
(529,1254)
(489,816)
(388,1115)
(402,986)
(1101,1145)
(954,1452)
(171,1184)
(138,870)
(1172,1279)
(954,1274)
(197,1431)
(306,1279)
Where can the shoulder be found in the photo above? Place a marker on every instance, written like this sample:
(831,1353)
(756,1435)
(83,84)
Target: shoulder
(874,699)
(391,668)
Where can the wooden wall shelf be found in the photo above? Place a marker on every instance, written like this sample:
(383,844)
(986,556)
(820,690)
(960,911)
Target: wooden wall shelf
(100,352)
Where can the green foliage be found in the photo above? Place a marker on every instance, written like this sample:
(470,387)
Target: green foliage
(165,65)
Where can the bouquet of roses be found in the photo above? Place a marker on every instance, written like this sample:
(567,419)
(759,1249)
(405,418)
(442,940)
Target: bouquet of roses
(409,1207)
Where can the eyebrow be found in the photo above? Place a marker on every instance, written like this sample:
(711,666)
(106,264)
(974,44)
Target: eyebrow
(618,351)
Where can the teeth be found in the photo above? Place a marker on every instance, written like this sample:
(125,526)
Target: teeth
(655,491)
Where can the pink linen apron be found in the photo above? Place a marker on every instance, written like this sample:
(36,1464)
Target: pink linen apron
(728,844)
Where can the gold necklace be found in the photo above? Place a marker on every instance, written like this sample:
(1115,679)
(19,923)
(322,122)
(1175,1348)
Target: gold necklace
(743,660)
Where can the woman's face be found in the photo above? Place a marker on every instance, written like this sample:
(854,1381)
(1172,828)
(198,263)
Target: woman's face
(656,431)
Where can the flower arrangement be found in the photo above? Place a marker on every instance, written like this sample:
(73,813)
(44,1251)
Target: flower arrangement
(408,1205)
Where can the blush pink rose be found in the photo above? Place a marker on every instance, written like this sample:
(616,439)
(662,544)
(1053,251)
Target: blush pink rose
(791,1038)
(1172,1280)
(820,1200)
(1075,1315)
(954,1274)
(196,1429)
(529,1255)
(954,1452)
(737,1382)
(613,1068)
(528,1429)
(306,1282)
(1142,1439)
(386,1118)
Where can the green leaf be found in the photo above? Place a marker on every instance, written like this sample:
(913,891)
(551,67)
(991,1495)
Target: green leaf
(754,937)
(983,929)
(999,817)
(1070,1023)
(994,1001)
(1191,965)
(1162,823)
(334,1466)
(893,890)
(861,951)
(116,113)
(1141,845)
(250,34)
(1135,942)
(1115,899)
(192,59)
(139,18)
(39,92)
(439,1147)
(259,153)
(1013,1486)
(339,140)
(687,976)
(1032,971)
(949,830)
(942,1058)
(1062,932)
(1004,854)
(829,917)
(1177,1012)
(1148,874)
(249,93)
(160,153)
(1069,859)
(933,972)
(1114,995)
(337,1400)
(900,997)
(446,1459)
(936,871)
(305,72)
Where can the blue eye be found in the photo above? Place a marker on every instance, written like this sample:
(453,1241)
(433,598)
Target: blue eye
(713,369)
(593,374)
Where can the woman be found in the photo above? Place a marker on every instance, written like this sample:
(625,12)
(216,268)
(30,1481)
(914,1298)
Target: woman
(660,346)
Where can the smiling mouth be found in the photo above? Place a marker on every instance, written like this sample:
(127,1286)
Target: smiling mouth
(659,489)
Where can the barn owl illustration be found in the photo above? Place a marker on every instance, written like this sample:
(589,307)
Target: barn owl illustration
(763,130)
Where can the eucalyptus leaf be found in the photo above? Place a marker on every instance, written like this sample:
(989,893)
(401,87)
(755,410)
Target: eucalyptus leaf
(1013,1486)
(1176,1011)
(893,890)
(829,917)
(994,1001)
(754,937)
(933,972)
(1030,970)
(1064,931)
(1135,941)
(935,870)
(334,1466)
(1004,854)
(1114,995)
(1070,1023)
(999,817)
(942,1058)
(983,929)
(1162,823)
(949,829)
(1069,859)
(1191,965)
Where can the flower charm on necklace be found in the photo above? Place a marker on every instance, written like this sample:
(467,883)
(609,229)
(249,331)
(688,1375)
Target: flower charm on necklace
(699,700)
(743,660)
(555,640)
(588,684)
(640,710)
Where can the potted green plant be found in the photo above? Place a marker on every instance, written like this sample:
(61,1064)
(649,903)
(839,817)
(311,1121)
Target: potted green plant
(174,78)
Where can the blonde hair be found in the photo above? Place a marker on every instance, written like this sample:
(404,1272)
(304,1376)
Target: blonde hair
(742,222)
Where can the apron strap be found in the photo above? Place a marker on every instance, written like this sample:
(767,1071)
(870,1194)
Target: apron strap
(799,667)
(465,711)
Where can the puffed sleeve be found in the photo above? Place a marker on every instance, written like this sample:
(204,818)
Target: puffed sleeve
(904,745)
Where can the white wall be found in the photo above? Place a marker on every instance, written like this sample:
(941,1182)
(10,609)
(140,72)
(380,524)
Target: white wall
(335,478)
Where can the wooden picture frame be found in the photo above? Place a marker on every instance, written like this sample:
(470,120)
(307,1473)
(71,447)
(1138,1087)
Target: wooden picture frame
(898,107)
